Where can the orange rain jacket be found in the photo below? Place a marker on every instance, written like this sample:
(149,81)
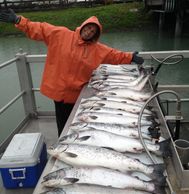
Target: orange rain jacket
(70,60)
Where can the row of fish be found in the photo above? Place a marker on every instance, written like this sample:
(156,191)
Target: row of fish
(103,134)
(108,77)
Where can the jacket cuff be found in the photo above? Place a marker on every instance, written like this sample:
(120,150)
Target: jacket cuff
(22,22)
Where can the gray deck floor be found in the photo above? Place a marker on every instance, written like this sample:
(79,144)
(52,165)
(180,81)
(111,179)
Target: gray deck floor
(46,126)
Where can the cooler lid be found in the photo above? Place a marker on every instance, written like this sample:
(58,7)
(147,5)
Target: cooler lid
(23,150)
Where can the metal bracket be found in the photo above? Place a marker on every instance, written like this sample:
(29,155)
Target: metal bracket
(173,118)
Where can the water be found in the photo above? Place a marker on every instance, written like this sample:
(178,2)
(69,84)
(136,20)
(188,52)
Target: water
(126,41)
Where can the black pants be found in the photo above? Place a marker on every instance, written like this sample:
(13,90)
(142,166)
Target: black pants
(62,111)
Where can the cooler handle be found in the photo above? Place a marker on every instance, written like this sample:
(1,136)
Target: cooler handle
(23,170)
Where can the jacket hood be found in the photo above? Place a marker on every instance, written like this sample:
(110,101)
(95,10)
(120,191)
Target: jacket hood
(94,20)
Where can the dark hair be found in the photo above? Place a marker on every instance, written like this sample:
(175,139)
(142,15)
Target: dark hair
(97,34)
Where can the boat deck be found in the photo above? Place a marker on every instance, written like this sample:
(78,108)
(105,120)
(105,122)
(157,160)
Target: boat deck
(46,126)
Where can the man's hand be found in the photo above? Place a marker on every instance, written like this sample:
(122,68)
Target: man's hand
(137,59)
(9,16)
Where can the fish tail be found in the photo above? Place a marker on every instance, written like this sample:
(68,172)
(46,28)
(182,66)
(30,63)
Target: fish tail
(165,148)
(148,117)
(151,118)
(159,190)
(155,123)
(157,173)
(149,107)
(154,132)
(154,113)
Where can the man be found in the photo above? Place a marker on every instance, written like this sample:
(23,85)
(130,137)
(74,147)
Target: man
(71,58)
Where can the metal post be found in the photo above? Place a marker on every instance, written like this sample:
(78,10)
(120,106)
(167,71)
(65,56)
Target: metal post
(161,20)
(179,24)
(26,84)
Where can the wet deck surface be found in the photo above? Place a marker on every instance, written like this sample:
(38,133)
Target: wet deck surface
(46,126)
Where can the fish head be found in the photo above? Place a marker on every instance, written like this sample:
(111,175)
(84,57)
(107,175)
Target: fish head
(86,103)
(88,109)
(55,175)
(55,151)
(54,182)
(69,138)
(78,125)
(61,152)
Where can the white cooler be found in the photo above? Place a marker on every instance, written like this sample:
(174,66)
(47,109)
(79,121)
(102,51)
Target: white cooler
(23,161)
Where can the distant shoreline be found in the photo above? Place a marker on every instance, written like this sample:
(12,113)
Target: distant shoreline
(114,17)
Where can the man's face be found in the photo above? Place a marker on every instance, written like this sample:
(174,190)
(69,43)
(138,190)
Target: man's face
(88,31)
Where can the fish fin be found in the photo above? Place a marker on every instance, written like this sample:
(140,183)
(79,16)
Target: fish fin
(54,190)
(159,186)
(71,180)
(148,117)
(53,146)
(93,117)
(120,109)
(158,170)
(69,154)
(112,93)
(137,150)
(89,108)
(165,149)
(122,101)
(95,108)
(74,134)
(72,131)
(101,104)
(108,148)
(43,182)
(84,138)
(137,177)
(119,114)
(159,190)
(83,124)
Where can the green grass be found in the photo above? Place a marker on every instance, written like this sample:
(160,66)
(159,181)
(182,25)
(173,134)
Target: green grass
(113,17)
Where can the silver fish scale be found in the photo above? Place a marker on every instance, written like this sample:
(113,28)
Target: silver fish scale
(93,189)
(103,126)
(97,156)
(102,138)
(104,177)
(112,104)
